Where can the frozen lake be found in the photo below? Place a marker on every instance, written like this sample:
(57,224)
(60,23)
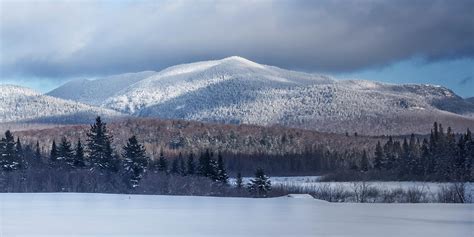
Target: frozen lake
(69,214)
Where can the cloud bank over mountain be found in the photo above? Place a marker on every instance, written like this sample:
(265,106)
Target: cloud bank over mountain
(84,38)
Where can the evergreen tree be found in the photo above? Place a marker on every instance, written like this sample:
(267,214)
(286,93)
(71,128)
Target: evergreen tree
(414,166)
(113,160)
(379,157)
(364,162)
(191,167)
(8,156)
(389,154)
(174,166)
(20,155)
(239,181)
(182,165)
(79,160)
(260,185)
(404,159)
(213,170)
(38,156)
(65,153)
(207,166)
(99,146)
(469,158)
(53,155)
(221,171)
(203,163)
(162,162)
(135,160)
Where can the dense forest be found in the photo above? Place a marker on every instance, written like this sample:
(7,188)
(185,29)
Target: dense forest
(96,164)
(443,156)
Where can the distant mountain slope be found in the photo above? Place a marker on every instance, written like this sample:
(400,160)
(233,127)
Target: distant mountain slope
(470,100)
(187,79)
(236,90)
(23,104)
(94,92)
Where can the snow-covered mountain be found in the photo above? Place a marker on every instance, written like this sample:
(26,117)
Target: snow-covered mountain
(94,92)
(236,90)
(20,104)
(470,100)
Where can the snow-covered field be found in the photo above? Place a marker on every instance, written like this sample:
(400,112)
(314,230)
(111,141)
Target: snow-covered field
(69,214)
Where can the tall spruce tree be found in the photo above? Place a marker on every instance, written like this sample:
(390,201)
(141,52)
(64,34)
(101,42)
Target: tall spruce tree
(174,166)
(404,159)
(191,167)
(379,157)
(364,162)
(53,155)
(239,181)
(221,170)
(203,163)
(20,155)
(65,154)
(260,185)
(162,162)
(135,160)
(79,159)
(99,146)
(8,156)
(207,166)
(38,156)
(182,165)
(426,160)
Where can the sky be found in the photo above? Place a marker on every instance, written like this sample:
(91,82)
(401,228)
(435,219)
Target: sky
(46,43)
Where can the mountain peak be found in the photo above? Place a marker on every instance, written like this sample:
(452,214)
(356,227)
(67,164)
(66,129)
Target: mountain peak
(241,60)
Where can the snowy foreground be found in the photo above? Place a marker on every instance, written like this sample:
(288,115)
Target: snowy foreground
(69,214)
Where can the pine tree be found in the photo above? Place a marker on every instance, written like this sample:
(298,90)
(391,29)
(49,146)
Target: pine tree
(99,146)
(221,170)
(53,157)
(135,160)
(20,155)
(79,160)
(207,166)
(174,166)
(38,156)
(8,156)
(364,162)
(389,154)
(113,158)
(469,158)
(426,158)
(404,160)
(191,167)
(260,185)
(203,164)
(238,181)
(162,162)
(414,166)
(182,165)
(379,157)
(213,170)
(65,153)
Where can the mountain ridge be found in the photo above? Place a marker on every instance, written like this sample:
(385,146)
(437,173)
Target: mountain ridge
(21,104)
(237,90)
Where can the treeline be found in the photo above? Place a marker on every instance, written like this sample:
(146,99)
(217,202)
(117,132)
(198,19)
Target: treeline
(444,156)
(97,166)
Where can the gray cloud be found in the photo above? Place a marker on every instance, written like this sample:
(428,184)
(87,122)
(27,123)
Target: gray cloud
(78,38)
